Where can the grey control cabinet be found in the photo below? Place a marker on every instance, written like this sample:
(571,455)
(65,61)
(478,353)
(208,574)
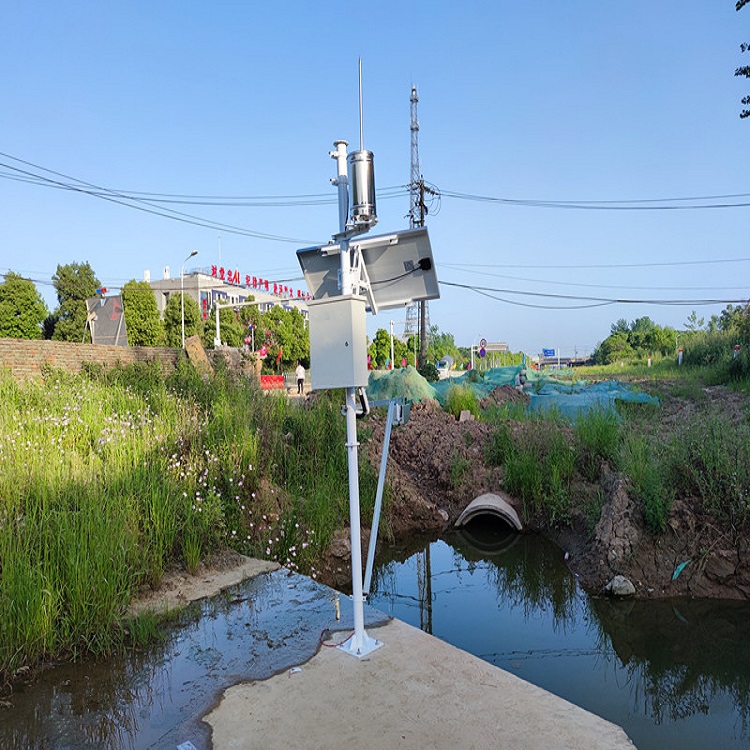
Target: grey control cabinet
(338,342)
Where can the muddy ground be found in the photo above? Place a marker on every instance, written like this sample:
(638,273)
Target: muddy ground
(436,467)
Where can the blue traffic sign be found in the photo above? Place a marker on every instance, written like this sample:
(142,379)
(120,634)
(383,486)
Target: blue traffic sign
(548,352)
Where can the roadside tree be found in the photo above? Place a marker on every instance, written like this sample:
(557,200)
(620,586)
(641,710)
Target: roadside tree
(285,330)
(231,329)
(22,309)
(142,320)
(173,319)
(74,284)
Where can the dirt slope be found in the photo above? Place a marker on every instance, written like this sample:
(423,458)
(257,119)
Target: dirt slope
(436,467)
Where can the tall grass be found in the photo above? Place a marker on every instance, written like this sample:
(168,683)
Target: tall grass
(109,477)
(597,437)
(461,398)
(538,463)
(642,463)
(709,458)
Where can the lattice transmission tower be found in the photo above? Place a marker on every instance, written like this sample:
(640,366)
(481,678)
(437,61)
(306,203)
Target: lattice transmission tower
(417,314)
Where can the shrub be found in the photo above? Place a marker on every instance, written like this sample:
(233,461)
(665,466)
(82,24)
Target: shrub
(461,398)
(429,372)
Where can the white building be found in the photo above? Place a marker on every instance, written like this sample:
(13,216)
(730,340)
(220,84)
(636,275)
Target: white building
(219,285)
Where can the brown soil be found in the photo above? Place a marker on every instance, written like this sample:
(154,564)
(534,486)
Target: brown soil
(436,467)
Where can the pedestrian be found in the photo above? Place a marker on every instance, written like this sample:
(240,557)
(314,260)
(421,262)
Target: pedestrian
(300,373)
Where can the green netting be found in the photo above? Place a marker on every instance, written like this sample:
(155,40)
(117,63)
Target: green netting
(409,384)
(570,400)
(548,393)
(404,382)
(482,384)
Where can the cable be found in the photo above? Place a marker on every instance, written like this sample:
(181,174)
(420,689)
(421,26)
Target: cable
(327,632)
(608,265)
(113,197)
(462,267)
(424,264)
(639,205)
(214,201)
(601,300)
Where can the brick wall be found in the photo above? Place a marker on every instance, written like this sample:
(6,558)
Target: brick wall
(25,358)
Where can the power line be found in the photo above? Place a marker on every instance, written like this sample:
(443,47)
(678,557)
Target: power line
(143,205)
(240,201)
(598,300)
(601,265)
(461,267)
(667,204)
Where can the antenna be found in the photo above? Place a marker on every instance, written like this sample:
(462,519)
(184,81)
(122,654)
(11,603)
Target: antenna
(363,214)
(361,126)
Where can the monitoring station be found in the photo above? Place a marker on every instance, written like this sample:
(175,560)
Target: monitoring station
(347,278)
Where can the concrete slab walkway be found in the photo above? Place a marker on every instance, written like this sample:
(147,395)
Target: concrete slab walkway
(414,692)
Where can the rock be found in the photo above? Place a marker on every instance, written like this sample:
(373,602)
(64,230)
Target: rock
(618,531)
(620,586)
(341,546)
(465,416)
(721,566)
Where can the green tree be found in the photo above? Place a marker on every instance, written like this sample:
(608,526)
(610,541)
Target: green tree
(380,348)
(621,326)
(231,330)
(173,319)
(694,323)
(613,349)
(284,329)
(441,344)
(735,319)
(22,309)
(74,284)
(142,320)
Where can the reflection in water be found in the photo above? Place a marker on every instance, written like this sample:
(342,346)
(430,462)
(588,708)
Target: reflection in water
(156,698)
(673,674)
(681,653)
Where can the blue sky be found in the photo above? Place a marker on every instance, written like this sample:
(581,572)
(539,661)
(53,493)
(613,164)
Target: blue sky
(537,102)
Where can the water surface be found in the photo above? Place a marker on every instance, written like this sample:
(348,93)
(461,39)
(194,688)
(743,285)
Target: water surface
(673,674)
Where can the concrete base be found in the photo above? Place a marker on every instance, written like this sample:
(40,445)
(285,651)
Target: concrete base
(414,692)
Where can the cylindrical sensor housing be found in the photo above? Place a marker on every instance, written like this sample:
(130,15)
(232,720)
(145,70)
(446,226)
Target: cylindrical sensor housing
(362,183)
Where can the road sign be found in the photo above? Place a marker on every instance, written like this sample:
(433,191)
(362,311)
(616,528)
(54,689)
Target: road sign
(548,352)
(483,343)
(482,352)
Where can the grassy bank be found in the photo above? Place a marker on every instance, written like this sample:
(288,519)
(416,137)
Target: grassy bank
(702,455)
(108,478)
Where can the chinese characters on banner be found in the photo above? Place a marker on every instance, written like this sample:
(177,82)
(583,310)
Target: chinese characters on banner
(255,282)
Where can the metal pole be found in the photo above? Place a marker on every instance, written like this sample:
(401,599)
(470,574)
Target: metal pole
(360,643)
(379,497)
(182,294)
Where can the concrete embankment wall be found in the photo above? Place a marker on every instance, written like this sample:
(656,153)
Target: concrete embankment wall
(27,358)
